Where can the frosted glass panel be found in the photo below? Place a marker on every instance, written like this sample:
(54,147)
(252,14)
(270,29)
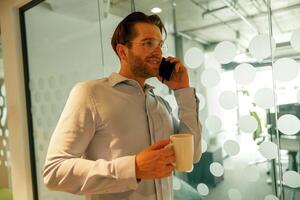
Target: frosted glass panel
(64,47)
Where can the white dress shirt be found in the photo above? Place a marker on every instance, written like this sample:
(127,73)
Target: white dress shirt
(104,124)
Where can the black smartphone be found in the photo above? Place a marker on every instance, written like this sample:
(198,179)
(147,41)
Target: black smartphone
(165,69)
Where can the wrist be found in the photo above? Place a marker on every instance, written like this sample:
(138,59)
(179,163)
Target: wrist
(183,87)
(137,174)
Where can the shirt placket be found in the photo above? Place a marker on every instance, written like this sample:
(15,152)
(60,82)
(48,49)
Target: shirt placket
(148,105)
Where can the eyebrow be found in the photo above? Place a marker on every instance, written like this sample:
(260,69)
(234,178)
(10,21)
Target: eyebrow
(150,38)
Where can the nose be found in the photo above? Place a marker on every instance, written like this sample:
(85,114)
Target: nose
(157,50)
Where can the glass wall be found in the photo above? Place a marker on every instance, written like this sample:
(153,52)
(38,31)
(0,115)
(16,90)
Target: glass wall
(64,47)
(242,58)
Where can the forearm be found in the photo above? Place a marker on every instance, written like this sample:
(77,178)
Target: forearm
(81,176)
(188,117)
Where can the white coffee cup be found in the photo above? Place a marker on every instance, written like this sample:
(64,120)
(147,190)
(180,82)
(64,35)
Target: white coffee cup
(183,145)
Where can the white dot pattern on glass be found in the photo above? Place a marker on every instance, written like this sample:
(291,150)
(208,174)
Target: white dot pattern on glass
(228,100)
(41,84)
(216,169)
(7,154)
(288,124)
(234,194)
(1,101)
(193,57)
(244,73)
(291,178)
(231,147)
(248,124)
(259,46)
(47,96)
(203,146)
(176,184)
(213,124)
(285,69)
(52,82)
(268,150)
(4,142)
(210,77)
(3,91)
(202,189)
(264,98)
(271,197)
(225,52)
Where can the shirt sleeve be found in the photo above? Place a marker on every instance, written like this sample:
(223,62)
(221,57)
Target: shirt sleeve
(65,167)
(188,107)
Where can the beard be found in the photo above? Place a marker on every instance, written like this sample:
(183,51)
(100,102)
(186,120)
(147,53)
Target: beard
(140,68)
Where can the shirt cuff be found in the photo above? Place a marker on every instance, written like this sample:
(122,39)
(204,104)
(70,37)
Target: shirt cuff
(125,169)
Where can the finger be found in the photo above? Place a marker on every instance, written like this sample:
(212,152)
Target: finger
(167,152)
(170,160)
(169,58)
(160,78)
(159,144)
(170,146)
(177,67)
(171,165)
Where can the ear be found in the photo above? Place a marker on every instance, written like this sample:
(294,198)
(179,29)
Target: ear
(122,51)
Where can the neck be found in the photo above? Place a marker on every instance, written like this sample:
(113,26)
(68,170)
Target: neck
(128,74)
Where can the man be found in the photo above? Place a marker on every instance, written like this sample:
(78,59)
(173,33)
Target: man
(111,140)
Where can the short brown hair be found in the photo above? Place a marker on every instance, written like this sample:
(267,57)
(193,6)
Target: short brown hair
(124,32)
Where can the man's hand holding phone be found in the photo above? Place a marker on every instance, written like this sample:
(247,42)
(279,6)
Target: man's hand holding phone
(178,77)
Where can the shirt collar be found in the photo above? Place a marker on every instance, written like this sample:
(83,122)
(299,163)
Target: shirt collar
(116,78)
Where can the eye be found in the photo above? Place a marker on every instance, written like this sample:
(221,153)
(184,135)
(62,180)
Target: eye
(149,43)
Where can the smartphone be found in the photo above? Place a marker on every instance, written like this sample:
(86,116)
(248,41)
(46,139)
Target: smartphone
(166,69)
